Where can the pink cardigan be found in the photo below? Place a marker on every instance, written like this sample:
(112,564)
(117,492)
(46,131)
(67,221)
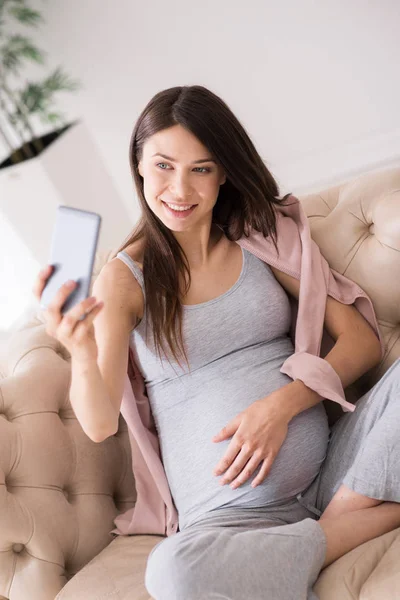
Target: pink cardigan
(299,256)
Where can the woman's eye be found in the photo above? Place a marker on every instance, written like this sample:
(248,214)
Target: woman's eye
(204,169)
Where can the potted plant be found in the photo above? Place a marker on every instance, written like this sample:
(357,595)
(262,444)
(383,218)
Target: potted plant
(49,162)
(22,107)
(61,165)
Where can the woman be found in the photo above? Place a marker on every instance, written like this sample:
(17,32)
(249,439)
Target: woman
(177,294)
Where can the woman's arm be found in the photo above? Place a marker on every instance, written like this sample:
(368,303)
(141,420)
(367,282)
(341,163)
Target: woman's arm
(357,348)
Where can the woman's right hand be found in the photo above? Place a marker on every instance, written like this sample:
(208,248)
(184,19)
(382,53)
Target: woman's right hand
(77,336)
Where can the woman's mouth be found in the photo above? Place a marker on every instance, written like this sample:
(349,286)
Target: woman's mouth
(178,211)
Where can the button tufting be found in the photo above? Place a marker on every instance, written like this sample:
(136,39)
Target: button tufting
(18,548)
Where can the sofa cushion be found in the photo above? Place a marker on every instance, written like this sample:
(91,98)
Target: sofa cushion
(116,573)
(368,572)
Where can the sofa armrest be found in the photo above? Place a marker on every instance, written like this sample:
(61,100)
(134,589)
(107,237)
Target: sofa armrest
(59,491)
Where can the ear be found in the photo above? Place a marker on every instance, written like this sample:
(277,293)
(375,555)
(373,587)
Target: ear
(140,168)
(223,179)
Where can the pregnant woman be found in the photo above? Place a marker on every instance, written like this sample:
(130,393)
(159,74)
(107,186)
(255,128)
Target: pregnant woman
(276,495)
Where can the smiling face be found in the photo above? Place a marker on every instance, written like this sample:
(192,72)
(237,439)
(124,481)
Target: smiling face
(178,170)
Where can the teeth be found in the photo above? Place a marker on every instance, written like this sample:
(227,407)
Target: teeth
(179,208)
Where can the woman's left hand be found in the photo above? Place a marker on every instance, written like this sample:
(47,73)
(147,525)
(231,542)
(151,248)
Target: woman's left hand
(258,434)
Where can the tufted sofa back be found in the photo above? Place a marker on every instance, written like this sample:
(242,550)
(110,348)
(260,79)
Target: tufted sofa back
(59,491)
(357,228)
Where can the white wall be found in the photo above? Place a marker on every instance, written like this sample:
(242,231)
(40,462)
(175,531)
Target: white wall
(315,84)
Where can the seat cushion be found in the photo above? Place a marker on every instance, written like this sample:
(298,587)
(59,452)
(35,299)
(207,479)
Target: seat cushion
(368,572)
(116,573)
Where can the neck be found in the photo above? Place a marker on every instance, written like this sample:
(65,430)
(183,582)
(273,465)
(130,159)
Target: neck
(200,249)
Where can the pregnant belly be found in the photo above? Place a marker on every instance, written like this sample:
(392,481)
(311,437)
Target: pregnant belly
(189,463)
(190,411)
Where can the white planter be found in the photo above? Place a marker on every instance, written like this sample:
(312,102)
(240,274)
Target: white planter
(71,172)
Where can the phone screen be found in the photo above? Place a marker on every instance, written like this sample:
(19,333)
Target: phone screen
(72,254)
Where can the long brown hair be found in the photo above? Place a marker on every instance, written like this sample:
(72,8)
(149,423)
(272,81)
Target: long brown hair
(245,201)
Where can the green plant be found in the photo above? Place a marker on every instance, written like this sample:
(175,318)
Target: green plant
(35,99)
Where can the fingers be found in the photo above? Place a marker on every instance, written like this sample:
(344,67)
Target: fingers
(78,320)
(235,468)
(248,467)
(71,320)
(40,280)
(244,467)
(265,469)
(53,312)
(230,455)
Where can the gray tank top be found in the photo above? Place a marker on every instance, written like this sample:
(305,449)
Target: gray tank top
(236,344)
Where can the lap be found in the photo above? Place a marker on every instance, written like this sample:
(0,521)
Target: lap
(214,561)
(222,560)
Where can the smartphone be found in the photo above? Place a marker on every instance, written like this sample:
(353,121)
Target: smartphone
(72,254)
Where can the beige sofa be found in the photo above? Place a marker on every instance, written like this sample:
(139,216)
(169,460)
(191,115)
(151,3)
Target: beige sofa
(60,491)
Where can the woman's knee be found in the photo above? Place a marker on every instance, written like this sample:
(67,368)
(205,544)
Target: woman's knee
(158,572)
(170,575)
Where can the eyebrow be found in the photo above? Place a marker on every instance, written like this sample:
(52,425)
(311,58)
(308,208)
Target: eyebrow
(195,162)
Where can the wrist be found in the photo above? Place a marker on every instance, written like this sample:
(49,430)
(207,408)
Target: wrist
(82,365)
(304,397)
(299,397)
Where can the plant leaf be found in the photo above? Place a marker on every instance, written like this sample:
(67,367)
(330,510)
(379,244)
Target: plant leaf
(17,48)
(53,118)
(32,97)
(26,16)
(38,96)
(59,81)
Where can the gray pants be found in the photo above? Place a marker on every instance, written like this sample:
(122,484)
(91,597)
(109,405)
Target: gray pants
(277,552)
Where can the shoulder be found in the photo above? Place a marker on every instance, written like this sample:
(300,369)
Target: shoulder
(136,251)
(117,287)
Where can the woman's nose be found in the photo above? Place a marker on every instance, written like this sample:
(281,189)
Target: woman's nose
(181,188)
